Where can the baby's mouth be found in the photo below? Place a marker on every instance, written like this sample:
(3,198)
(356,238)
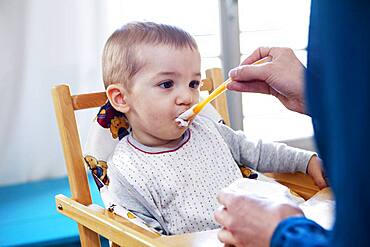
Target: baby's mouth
(181,122)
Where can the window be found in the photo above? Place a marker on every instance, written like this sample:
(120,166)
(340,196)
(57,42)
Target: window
(273,23)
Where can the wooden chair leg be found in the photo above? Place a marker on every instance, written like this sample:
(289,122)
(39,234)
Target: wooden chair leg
(88,237)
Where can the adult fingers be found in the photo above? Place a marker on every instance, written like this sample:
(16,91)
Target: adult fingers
(221,217)
(250,86)
(226,237)
(225,198)
(258,72)
(258,54)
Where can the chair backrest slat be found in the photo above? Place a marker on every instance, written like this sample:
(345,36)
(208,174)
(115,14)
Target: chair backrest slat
(220,103)
(207,85)
(90,100)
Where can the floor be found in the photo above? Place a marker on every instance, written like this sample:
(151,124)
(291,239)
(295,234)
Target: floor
(28,216)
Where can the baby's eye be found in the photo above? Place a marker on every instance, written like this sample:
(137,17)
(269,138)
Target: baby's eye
(194,84)
(166,84)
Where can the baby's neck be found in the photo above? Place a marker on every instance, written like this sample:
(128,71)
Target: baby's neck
(155,142)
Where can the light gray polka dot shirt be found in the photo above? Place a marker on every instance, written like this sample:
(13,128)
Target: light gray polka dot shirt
(174,190)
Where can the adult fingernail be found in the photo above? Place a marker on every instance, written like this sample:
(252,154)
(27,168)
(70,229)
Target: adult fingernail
(233,73)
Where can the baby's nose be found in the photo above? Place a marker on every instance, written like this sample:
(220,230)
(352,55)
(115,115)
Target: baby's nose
(185,97)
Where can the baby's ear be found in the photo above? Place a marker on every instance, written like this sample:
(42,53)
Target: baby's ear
(116,95)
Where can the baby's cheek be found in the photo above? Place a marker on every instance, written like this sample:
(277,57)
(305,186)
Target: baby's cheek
(157,118)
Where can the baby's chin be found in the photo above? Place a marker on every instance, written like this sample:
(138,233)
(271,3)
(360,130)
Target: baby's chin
(178,133)
(172,131)
(181,132)
(172,140)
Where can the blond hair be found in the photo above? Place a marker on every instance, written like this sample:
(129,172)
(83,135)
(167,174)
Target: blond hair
(120,62)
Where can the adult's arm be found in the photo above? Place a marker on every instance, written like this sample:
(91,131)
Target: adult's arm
(299,231)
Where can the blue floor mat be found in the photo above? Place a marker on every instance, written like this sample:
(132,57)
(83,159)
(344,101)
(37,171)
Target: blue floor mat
(28,215)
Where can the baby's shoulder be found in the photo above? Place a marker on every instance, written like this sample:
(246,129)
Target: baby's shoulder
(122,144)
(121,150)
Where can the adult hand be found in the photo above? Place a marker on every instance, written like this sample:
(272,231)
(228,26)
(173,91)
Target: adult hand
(283,77)
(250,221)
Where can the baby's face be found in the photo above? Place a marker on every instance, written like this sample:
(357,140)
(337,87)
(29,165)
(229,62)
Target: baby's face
(165,87)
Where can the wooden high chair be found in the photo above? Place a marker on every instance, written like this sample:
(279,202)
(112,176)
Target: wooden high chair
(93,220)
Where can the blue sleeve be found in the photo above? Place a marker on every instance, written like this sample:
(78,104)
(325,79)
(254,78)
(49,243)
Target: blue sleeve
(299,231)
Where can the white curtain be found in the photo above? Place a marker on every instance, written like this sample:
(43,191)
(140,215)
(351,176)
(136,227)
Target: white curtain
(43,43)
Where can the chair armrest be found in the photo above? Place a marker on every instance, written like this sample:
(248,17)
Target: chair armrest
(113,227)
(125,233)
(298,182)
(195,239)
